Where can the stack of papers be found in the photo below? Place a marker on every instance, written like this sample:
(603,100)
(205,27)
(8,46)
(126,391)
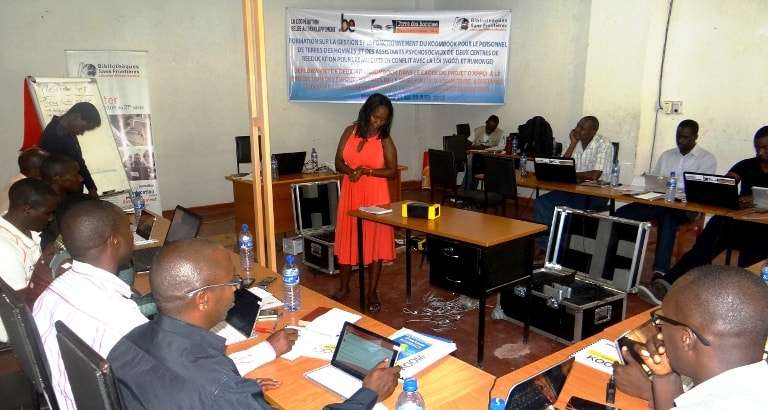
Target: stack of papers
(599,355)
(375,210)
(418,351)
(268,301)
(319,338)
(228,332)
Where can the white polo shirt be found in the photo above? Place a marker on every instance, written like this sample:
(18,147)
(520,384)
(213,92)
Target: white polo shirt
(697,160)
(596,156)
(739,388)
(92,302)
(18,255)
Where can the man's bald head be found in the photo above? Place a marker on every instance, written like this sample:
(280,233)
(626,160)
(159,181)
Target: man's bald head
(31,160)
(726,303)
(88,225)
(185,265)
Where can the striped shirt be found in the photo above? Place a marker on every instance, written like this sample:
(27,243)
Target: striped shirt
(92,302)
(18,255)
(596,156)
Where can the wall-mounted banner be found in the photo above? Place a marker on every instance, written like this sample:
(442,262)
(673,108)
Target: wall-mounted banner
(122,78)
(418,57)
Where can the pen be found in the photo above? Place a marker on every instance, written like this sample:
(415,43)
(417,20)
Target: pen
(610,391)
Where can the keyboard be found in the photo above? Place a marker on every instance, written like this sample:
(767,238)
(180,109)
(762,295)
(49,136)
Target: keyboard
(337,381)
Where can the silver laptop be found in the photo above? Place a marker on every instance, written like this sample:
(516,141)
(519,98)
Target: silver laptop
(655,183)
(760,197)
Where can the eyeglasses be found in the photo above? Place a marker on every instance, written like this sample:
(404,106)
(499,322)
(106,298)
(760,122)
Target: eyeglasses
(656,319)
(237,283)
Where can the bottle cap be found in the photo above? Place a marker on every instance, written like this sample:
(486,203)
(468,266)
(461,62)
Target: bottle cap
(289,259)
(410,384)
(244,228)
(497,403)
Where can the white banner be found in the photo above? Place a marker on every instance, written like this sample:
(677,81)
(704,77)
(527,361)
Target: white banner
(122,78)
(419,57)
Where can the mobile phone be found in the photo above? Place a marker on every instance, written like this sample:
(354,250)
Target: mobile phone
(577,403)
(267,314)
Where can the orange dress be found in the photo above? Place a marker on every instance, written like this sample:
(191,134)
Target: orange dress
(378,239)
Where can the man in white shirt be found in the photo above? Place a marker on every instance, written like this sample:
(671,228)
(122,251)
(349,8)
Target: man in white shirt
(592,154)
(489,135)
(29,167)
(89,297)
(687,157)
(713,329)
(31,205)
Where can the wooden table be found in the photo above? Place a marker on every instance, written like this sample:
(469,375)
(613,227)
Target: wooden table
(468,227)
(583,381)
(242,190)
(449,382)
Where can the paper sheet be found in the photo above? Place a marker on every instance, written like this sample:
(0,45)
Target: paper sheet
(599,355)
(319,338)
(268,301)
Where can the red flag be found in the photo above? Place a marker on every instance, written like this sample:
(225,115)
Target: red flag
(32,124)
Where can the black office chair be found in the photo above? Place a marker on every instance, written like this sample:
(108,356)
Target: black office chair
(27,345)
(456,144)
(500,183)
(442,178)
(242,150)
(90,376)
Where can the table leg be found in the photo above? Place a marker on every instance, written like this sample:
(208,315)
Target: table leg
(407,266)
(481,329)
(528,288)
(361,263)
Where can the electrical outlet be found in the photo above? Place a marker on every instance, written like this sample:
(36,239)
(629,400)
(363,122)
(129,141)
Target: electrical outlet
(672,107)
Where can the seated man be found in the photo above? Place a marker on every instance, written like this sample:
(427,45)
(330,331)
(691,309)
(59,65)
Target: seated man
(29,167)
(687,157)
(489,136)
(722,232)
(175,362)
(592,154)
(63,175)
(718,341)
(31,204)
(89,297)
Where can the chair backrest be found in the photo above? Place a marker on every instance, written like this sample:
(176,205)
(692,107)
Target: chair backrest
(442,170)
(25,339)
(500,176)
(242,150)
(184,225)
(90,376)
(456,144)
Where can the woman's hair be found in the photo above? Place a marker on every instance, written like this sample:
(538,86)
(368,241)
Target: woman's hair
(371,104)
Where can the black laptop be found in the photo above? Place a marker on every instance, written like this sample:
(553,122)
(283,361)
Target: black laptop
(242,316)
(290,162)
(184,225)
(555,169)
(463,130)
(710,189)
(540,391)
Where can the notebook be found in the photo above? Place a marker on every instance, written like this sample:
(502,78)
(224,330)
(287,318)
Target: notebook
(357,352)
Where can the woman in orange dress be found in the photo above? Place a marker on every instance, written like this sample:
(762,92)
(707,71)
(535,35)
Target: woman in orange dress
(367,157)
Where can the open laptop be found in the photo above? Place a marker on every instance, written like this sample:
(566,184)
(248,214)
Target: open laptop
(290,162)
(710,189)
(144,228)
(242,316)
(357,353)
(654,183)
(184,225)
(760,197)
(540,391)
(554,169)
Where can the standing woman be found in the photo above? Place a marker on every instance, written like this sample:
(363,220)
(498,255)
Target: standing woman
(367,157)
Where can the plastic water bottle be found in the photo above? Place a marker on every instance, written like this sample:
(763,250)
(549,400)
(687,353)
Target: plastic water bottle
(313,163)
(764,273)
(523,165)
(615,170)
(514,145)
(245,243)
(274,167)
(291,289)
(410,398)
(671,188)
(497,403)
(138,207)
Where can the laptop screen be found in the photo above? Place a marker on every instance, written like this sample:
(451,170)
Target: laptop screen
(243,315)
(540,391)
(184,225)
(359,350)
(144,228)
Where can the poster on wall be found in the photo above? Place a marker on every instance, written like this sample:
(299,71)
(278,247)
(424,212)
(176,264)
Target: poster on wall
(418,57)
(122,78)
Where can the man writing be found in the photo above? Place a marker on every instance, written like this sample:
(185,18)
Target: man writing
(713,330)
(175,362)
(60,137)
(29,167)
(489,135)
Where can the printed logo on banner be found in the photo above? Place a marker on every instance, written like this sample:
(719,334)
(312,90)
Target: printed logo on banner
(378,27)
(416,26)
(460,24)
(87,70)
(480,24)
(347,25)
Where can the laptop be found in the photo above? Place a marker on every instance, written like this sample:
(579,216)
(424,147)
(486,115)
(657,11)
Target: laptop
(710,189)
(242,316)
(654,183)
(357,352)
(184,225)
(540,391)
(555,169)
(760,197)
(290,162)
(144,228)
(463,130)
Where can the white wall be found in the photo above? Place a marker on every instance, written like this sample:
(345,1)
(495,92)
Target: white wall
(197,78)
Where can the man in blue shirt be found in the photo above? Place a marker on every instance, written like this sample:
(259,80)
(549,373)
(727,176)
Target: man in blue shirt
(175,362)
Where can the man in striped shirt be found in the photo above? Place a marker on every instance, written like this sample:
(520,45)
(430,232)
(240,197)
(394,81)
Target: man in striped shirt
(89,298)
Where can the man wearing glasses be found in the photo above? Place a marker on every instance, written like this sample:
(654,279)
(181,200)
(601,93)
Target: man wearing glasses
(175,362)
(712,328)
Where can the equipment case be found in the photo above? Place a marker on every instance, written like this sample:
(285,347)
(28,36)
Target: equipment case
(592,261)
(314,216)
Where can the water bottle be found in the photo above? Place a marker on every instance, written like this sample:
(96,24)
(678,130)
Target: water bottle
(671,188)
(291,290)
(523,165)
(410,398)
(497,403)
(313,163)
(245,243)
(615,174)
(138,207)
(764,273)
(274,167)
(514,145)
